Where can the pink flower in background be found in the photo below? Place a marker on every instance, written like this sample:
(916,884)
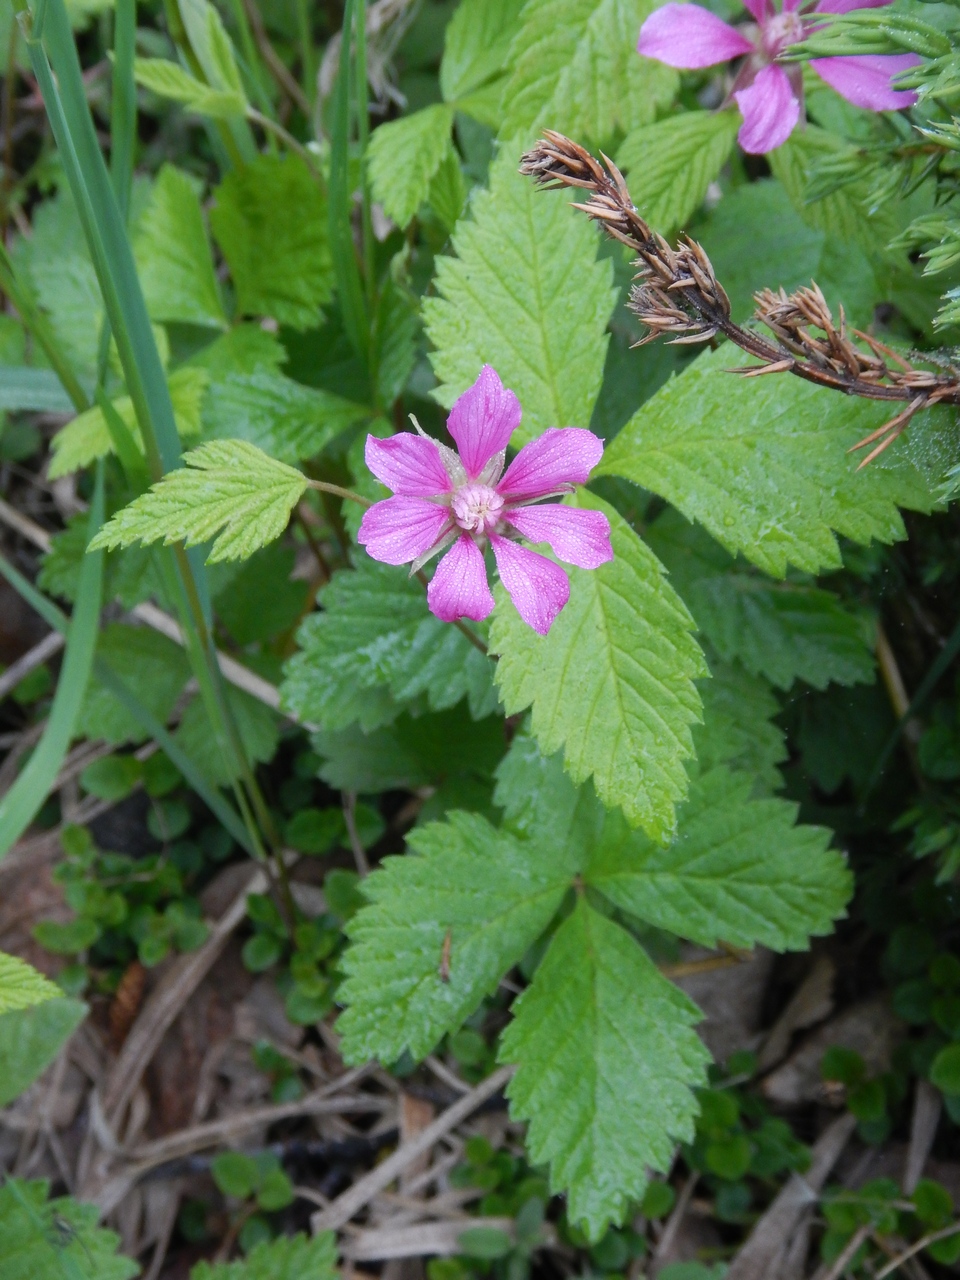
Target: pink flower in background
(770,96)
(463,500)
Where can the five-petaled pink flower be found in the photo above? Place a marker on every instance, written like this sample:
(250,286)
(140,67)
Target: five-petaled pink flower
(463,500)
(769,95)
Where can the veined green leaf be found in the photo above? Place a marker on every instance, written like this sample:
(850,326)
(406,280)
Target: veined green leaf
(228,489)
(476,43)
(526,294)
(763,464)
(492,894)
(613,681)
(88,437)
(41,1239)
(270,220)
(672,163)
(285,1258)
(739,870)
(737,729)
(403,157)
(30,1039)
(169,80)
(22,986)
(173,255)
(606,1059)
(375,647)
(575,68)
(145,661)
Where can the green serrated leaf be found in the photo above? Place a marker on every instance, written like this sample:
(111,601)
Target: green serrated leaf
(575,68)
(763,464)
(403,157)
(30,1039)
(88,437)
(739,870)
(606,1063)
(145,661)
(526,294)
(612,683)
(783,631)
(43,1239)
(270,219)
(492,894)
(173,255)
(376,647)
(672,163)
(229,489)
(285,1258)
(169,80)
(22,986)
(737,712)
(476,43)
(256,725)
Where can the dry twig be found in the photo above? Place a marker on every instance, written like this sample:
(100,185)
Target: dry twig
(679,295)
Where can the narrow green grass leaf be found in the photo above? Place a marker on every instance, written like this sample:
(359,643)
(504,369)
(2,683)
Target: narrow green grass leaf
(22,986)
(353,302)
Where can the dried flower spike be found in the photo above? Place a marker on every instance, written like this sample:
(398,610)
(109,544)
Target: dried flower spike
(679,296)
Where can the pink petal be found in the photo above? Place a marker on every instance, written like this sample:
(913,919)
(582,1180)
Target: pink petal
(865,80)
(400,529)
(575,537)
(459,588)
(407,464)
(561,456)
(483,420)
(763,9)
(770,111)
(686,36)
(538,587)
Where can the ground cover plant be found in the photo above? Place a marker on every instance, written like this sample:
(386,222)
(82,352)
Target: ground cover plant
(479,555)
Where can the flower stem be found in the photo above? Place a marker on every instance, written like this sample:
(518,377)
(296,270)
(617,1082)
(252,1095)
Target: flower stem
(323,487)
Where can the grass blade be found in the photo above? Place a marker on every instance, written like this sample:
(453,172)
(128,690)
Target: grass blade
(352,304)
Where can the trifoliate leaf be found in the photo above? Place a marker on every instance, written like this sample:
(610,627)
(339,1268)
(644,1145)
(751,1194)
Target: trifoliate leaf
(526,294)
(737,712)
(43,1239)
(783,631)
(672,163)
(606,1060)
(270,220)
(403,157)
(738,870)
(612,683)
(173,255)
(282,417)
(169,80)
(476,44)
(374,647)
(494,896)
(30,1039)
(22,986)
(763,464)
(88,437)
(145,661)
(575,68)
(256,725)
(285,1258)
(229,489)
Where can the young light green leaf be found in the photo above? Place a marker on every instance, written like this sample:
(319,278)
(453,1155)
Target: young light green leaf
(43,1239)
(575,68)
(145,661)
(374,648)
(229,489)
(739,870)
(88,437)
(30,1039)
(284,418)
(476,43)
(606,1060)
(672,163)
(403,157)
(22,986)
(491,893)
(526,294)
(173,255)
(169,80)
(270,220)
(285,1258)
(763,464)
(783,631)
(613,681)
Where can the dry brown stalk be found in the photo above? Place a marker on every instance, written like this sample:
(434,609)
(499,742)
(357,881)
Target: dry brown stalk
(678,294)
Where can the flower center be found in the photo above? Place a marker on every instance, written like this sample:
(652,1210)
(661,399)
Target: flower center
(477,507)
(781,30)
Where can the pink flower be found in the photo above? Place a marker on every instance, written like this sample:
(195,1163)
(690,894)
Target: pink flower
(463,500)
(770,96)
